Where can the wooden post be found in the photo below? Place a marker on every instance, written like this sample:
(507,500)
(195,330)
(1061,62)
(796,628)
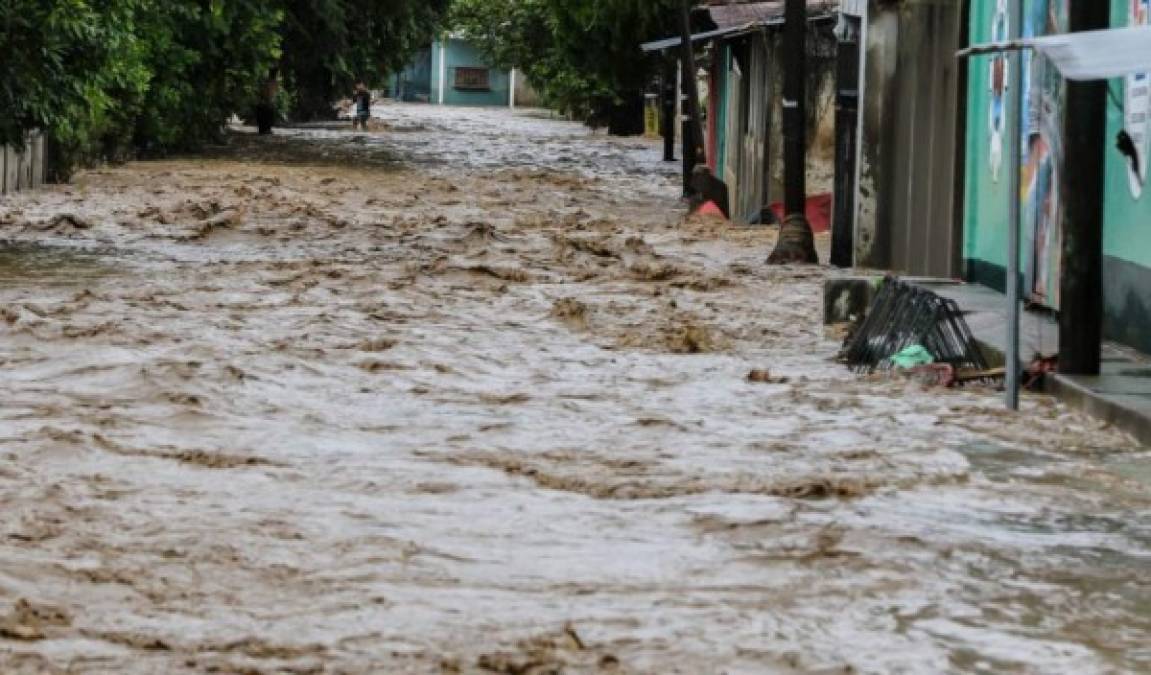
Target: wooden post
(846,147)
(668,92)
(690,87)
(1083,175)
(795,107)
(690,157)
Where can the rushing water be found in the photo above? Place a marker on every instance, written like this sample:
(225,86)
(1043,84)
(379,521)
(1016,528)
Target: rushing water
(469,394)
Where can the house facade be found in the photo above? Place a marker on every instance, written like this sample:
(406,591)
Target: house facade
(741,45)
(923,142)
(453,72)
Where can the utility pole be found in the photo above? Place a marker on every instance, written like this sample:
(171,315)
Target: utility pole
(796,240)
(1015,223)
(846,127)
(1084,147)
(668,91)
(795,107)
(694,152)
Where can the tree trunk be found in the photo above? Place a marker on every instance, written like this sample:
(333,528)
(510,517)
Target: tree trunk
(796,240)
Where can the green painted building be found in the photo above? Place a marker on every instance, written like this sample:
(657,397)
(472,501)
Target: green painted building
(453,72)
(1126,220)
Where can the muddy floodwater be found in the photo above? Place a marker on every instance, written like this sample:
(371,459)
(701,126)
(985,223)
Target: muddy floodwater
(468,394)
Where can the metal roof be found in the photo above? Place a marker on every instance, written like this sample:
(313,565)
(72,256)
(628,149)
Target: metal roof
(730,31)
(1087,55)
(727,16)
(736,30)
(729,13)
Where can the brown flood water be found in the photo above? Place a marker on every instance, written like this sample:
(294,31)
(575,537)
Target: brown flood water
(470,395)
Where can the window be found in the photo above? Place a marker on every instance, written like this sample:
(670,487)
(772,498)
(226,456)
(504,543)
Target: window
(473,79)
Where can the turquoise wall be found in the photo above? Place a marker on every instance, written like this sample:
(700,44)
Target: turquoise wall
(1127,219)
(460,54)
(414,82)
(721,83)
(985,215)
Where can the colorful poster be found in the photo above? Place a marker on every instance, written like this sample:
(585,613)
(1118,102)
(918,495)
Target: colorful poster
(1137,107)
(1043,98)
(999,84)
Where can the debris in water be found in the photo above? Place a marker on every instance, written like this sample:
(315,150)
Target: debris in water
(904,315)
(764,376)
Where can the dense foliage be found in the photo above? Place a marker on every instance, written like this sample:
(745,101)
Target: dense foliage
(110,77)
(583,55)
(328,44)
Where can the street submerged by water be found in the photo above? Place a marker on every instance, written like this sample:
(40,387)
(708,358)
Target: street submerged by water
(470,394)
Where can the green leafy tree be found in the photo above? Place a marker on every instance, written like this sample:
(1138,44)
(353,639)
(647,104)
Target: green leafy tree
(332,43)
(109,78)
(583,55)
(207,58)
(66,65)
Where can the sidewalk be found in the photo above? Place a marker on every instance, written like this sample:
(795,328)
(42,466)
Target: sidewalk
(1121,395)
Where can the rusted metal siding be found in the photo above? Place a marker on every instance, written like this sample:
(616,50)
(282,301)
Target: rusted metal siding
(755,140)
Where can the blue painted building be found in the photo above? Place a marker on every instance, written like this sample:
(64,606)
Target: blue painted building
(453,72)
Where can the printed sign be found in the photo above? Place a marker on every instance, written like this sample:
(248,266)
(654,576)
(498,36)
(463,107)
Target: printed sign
(1137,107)
(997,109)
(1044,92)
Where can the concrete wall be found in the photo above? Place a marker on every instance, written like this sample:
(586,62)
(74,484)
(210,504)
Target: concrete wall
(22,168)
(1127,215)
(526,95)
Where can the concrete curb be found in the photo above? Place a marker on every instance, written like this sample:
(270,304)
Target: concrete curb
(1127,415)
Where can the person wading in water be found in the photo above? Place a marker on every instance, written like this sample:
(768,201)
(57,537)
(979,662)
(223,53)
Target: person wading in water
(266,107)
(362,100)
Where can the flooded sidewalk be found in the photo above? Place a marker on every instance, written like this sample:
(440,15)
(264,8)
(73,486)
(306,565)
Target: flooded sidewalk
(469,394)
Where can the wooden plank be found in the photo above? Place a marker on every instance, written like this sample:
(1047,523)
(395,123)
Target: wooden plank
(11,169)
(37,152)
(24,172)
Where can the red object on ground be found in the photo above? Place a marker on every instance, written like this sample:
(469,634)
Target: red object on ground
(818,212)
(711,209)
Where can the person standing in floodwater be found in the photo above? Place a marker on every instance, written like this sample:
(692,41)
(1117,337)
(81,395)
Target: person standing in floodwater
(266,107)
(363,106)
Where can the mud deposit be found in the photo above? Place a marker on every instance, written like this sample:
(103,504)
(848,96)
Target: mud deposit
(469,395)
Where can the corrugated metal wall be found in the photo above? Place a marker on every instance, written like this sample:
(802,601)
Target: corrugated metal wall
(749,100)
(756,138)
(907,216)
(925,237)
(22,168)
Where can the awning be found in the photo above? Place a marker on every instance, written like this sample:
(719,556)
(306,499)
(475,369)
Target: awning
(730,31)
(1087,55)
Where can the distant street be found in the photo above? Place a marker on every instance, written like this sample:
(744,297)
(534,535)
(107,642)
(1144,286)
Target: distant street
(468,393)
